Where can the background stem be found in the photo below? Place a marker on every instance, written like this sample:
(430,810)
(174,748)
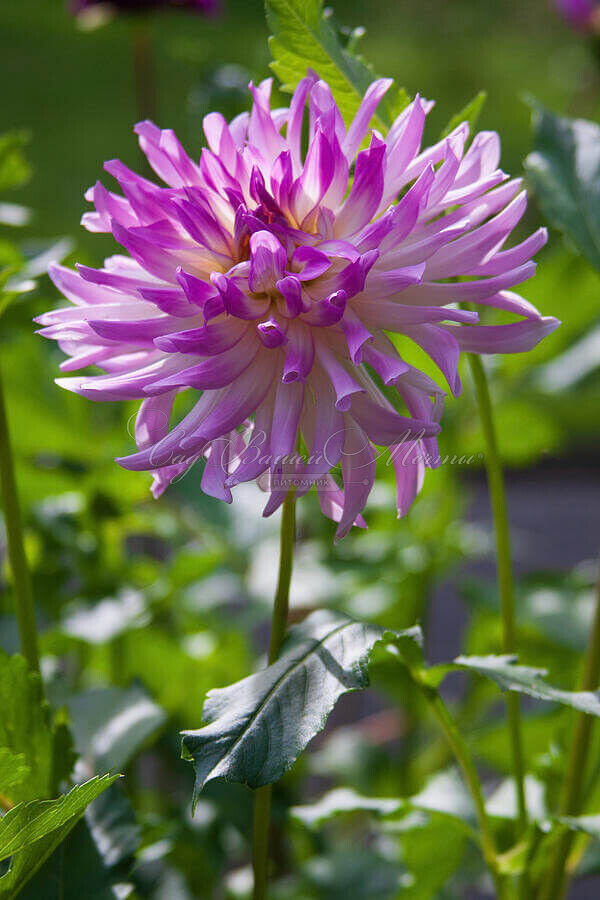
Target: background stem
(463,757)
(571,797)
(262,796)
(504,569)
(16,550)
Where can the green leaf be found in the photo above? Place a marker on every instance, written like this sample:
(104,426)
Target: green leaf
(32,831)
(304,38)
(470,113)
(95,857)
(13,770)
(29,730)
(110,725)
(586,824)
(526,680)
(444,794)
(14,168)
(257,728)
(343,801)
(359,873)
(564,172)
(27,823)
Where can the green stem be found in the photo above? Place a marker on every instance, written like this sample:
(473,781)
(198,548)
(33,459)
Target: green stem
(463,757)
(16,549)
(262,798)
(555,884)
(504,569)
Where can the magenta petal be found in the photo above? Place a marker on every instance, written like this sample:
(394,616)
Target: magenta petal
(433,339)
(291,290)
(409,467)
(299,354)
(343,383)
(385,426)
(518,337)
(271,334)
(215,471)
(308,263)
(267,262)
(358,469)
(366,192)
(360,124)
(236,302)
(286,417)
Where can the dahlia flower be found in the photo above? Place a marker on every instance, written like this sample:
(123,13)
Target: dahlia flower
(578,13)
(270,278)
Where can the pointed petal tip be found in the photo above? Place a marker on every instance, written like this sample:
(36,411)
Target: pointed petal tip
(69,384)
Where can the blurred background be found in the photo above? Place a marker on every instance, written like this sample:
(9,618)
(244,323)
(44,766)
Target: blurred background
(162,601)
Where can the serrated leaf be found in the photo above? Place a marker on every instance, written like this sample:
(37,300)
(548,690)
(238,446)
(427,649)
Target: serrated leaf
(30,730)
(408,645)
(95,857)
(470,113)
(257,728)
(33,830)
(526,680)
(564,172)
(303,38)
(27,823)
(13,770)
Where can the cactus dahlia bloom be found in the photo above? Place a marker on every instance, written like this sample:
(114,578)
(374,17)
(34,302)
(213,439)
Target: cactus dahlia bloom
(270,280)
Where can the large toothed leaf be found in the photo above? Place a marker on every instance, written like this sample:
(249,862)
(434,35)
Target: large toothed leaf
(256,729)
(30,832)
(526,680)
(28,822)
(305,38)
(564,172)
(30,732)
(95,859)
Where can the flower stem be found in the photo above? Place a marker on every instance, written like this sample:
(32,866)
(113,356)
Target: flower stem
(465,761)
(16,549)
(504,569)
(262,799)
(571,797)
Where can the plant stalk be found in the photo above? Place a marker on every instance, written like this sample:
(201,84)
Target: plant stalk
(16,549)
(262,796)
(461,752)
(555,884)
(504,569)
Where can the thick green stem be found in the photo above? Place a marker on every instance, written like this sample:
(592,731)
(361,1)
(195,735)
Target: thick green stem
(504,569)
(555,884)
(465,761)
(262,799)
(16,549)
